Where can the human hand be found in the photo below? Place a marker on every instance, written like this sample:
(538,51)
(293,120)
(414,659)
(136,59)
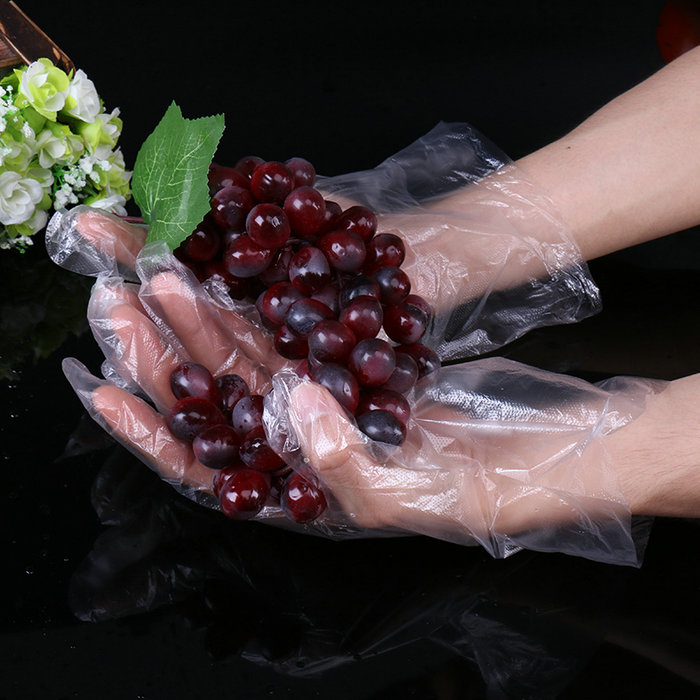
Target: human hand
(496,453)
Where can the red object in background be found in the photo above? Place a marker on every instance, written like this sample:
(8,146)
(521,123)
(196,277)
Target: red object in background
(678,29)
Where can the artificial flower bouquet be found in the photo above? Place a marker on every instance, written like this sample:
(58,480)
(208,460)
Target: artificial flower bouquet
(58,147)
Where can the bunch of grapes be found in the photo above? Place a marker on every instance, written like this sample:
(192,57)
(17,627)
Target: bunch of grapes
(325,284)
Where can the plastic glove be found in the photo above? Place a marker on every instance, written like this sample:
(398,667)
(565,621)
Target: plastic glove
(527,485)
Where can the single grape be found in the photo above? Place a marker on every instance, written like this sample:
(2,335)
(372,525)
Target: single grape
(304,314)
(216,270)
(306,210)
(221,476)
(394,285)
(363,316)
(309,270)
(247,414)
(277,300)
(302,500)
(426,358)
(359,220)
(328,295)
(271,182)
(331,341)
(382,426)
(230,207)
(217,446)
(257,454)
(278,269)
(267,225)
(385,250)
(221,176)
(245,258)
(191,415)
(203,243)
(290,345)
(405,323)
(266,322)
(303,171)
(232,388)
(193,379)
(385,400)
(341,383)
(404,376)
(243,495)
(421,303)
(359,286)
(247,164)
(344,250)
(333,212)
(372,361)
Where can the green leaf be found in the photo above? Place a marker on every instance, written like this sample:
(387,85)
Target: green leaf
(169,183)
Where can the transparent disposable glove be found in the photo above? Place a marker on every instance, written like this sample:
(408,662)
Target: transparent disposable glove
(497,453)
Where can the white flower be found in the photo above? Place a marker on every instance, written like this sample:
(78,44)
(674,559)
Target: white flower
(18,197)
(113,203)
(82,100)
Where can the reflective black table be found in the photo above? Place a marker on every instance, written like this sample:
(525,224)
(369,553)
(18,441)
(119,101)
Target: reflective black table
(117,587)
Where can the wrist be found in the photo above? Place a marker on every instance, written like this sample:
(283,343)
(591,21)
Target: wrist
(657,456)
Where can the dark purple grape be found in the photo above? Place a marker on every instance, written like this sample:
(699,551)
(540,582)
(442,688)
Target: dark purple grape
(384,250)
(257,454)
(277,300)
(363,316)
(421,303)
(405,323)
(385,400)
(382,426)
(372,361)
(221,476)
(359,286)
(341,383)
(193,379)
(266,322)
(267,225)
(203,243)
(328,295)
(232,388)
(303,171)
(359,220)
(331,341)
(230,207)
(247,414)
(190,416)
(245,258)
(306,210)
(344,250)
(289,345)
(426,358)
(333,212)
(304,314)
(404,376)
(394,285)
(243,495)
(217,446)
(302,500)
(221,176)
(309,270)
(271,182)
(247,164)
(278,269)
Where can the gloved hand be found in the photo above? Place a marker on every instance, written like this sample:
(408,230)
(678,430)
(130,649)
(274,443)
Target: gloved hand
(497,453)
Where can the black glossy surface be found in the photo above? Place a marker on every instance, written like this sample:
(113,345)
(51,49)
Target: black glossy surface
(116,587)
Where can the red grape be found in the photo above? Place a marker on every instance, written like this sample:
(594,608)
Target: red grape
(190,416)
(271,182)
(306,210)
(193,379)
(372,361)
(302,500)
(243,495)
(267,225)
(217,446)
(245,258)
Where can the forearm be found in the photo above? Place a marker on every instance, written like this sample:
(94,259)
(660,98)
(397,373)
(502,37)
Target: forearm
(657,456)
(631,172)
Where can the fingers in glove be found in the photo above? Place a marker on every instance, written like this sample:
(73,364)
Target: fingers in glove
(138,427)
(112,235)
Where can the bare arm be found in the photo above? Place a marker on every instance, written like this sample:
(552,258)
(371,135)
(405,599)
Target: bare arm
(630,172)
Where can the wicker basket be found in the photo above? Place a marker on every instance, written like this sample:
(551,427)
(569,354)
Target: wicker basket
(21,41)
